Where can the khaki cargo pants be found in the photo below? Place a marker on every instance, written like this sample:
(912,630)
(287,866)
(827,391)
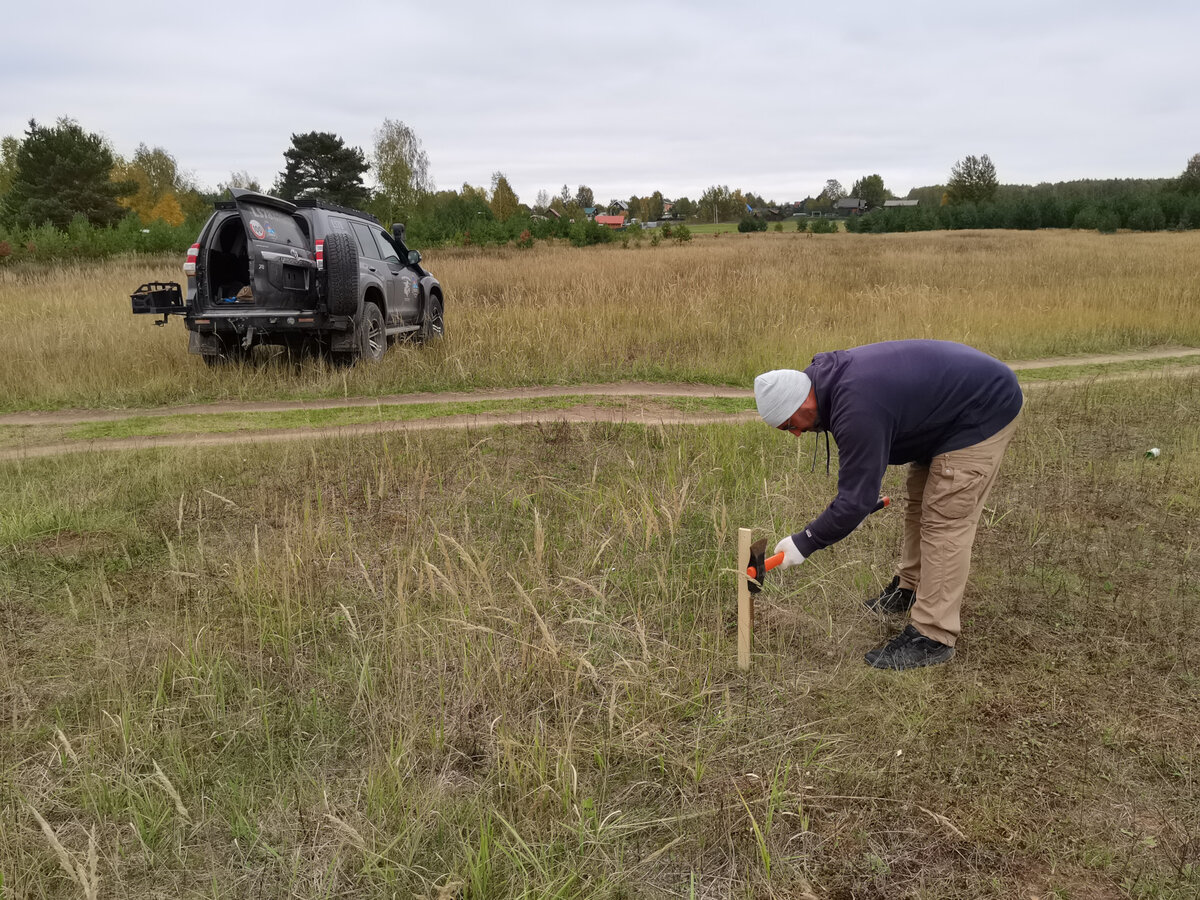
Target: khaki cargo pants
(945,499)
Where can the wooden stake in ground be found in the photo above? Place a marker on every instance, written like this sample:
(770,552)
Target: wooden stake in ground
(745,601)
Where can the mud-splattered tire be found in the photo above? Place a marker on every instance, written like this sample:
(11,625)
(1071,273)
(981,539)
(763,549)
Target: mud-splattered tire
(372,338)
(433,324)
(341,274)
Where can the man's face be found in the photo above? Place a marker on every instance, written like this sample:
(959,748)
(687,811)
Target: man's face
(795,423)
(803,419)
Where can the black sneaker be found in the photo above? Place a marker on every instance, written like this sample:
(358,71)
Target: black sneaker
(908,650)
(893,599)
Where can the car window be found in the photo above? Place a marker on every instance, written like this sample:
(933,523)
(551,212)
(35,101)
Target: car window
(366,243)
(386,249)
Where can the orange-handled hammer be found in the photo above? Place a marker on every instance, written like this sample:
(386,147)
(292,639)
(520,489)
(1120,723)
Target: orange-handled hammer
(759,562)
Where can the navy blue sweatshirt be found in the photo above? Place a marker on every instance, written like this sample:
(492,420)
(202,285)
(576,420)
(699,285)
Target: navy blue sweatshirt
(900,402)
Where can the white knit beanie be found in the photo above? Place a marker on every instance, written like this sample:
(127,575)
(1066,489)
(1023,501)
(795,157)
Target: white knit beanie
(780,393)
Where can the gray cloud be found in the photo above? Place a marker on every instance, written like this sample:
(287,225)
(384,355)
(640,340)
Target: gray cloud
(773,97)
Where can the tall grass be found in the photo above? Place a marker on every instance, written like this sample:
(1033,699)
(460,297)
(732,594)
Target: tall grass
(502,663)
(716,310)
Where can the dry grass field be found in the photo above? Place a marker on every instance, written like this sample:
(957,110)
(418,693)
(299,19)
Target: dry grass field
(716,310)
(500,662)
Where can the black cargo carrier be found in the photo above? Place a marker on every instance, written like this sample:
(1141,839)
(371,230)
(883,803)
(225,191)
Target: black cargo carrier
(158,298)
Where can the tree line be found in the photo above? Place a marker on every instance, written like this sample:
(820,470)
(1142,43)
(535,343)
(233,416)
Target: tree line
(65,192)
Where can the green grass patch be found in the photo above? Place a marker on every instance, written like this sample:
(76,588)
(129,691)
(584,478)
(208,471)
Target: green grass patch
(730,405)
(216,423)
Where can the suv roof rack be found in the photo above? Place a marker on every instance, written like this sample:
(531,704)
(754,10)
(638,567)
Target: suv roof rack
(333,207)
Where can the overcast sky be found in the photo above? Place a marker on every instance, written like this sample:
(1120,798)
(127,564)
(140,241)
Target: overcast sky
(628,98)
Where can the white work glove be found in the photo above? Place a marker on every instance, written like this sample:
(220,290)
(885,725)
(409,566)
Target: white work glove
(791,553)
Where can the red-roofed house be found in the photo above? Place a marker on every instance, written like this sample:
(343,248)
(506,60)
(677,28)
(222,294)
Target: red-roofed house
(611,221)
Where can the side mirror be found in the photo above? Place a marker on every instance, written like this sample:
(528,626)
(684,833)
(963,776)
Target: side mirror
(398,232)
(414,257)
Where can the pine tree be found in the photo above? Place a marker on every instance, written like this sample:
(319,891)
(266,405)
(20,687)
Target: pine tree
(321,166)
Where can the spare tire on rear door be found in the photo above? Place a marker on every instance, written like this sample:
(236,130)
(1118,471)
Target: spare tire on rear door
(341,274)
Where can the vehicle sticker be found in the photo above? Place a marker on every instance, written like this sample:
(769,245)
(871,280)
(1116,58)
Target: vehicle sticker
(257,230)
(270,230)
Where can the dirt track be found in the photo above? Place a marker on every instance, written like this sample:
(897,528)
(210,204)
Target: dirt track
(646,412)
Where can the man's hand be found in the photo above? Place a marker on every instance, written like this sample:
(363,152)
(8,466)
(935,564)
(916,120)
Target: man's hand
(791,554)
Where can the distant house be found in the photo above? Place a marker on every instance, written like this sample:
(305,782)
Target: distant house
(849,206)
(551,211)
(668,205)
(769,213)
(611,221)
(890,203)
(589,212)
(618,208)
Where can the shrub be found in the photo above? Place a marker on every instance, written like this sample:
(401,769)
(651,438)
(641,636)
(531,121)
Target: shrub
(655,239)
(963,215)
(525,241)
(1148,218)
(1087,218)
(750,223)
(683,234)
(1108,222)
(1024,215)
(584,234)
(778,226)
(666,232)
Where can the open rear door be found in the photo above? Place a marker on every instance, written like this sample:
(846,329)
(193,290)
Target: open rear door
(282,263)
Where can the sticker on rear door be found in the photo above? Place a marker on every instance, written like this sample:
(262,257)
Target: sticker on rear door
(257,230)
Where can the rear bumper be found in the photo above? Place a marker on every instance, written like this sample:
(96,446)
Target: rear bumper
(265,322)
(212,329)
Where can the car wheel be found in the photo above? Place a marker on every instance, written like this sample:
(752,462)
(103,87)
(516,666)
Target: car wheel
(341,274)
(433,326)
(372,337)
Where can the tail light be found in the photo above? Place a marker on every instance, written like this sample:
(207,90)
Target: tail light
(189,267)
(320,255)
